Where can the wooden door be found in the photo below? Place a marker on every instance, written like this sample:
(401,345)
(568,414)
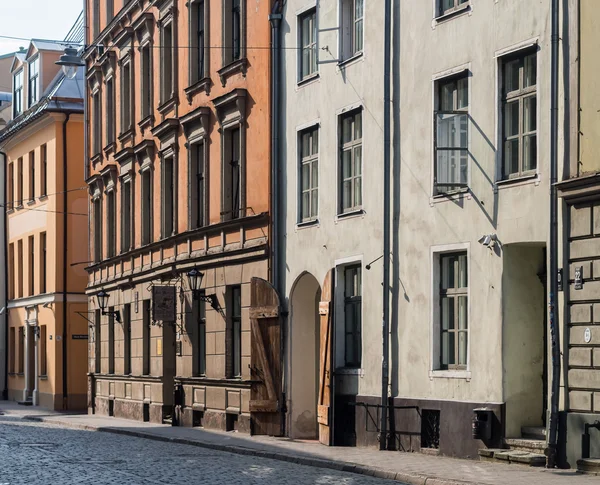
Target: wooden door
(325,406)
(265,359)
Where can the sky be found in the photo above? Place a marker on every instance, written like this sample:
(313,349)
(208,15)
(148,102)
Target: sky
(40,19)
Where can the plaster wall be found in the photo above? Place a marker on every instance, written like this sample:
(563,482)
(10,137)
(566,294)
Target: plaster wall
(516,211)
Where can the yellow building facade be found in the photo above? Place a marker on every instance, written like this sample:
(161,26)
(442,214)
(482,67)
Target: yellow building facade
(46,238)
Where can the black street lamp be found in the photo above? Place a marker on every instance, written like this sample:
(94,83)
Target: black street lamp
(195,277)
(102,297)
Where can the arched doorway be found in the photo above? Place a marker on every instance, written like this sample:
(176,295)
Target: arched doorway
(304,357)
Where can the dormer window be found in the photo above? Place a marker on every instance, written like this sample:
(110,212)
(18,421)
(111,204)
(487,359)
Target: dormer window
(18,93)
(34,84)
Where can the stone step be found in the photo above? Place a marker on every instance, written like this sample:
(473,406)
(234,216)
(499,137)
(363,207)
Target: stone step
(531,446)
(590,466)
(25,403)
(511,456)
(533,433)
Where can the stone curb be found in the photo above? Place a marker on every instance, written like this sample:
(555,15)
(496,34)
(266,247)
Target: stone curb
(406,478)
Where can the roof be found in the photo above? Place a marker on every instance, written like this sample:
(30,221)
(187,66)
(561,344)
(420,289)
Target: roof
(5,97)
(62,95)
(11,54)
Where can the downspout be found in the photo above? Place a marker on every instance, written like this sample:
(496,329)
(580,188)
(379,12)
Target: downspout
(5,255)
(275,18)
(553,243)
(64,292)
(387,49)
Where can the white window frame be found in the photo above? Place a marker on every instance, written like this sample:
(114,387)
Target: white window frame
(310,159)
(310,9)
(36,98)
(458,7)
(435,313)
(349,52)
(18,107)
(339,170)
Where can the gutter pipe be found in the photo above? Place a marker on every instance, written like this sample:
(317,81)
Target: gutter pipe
(383,438)
(553,243)
(6,282)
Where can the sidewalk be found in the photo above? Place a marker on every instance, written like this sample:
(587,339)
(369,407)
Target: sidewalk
(409,468)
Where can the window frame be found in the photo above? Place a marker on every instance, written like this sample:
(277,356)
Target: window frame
(439,83)
(519,96)
(350,146)
(11,186)
(199,325)
(43,262)
(43,170)
(127,339)
(97,211)
(18,91)
(33,95)
(198,153)
(313,46)
(20,183)
(197,74)
(147,223)
(167,90)
(311,160)
(31,176)
(347,40)
(31,265)
(97,122)
(146,81)
(435,367)
(356,331)
(127,213)
(111,222)
(234,323)
(169,194)
(228,33)
(127,95)
(458,6)
(110,117)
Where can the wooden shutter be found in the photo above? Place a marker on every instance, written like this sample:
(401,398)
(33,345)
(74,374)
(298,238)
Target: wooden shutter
(325,417)
(265,359)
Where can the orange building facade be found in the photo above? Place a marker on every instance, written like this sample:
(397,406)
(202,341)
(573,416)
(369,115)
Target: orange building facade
(46,236)
(178,161)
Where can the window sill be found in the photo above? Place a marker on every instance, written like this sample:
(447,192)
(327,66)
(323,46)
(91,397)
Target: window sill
(454,12)
(146,122)
(532,178)
(43,378)
(43,197)
(19,207)
(168,105)
(10,211)
(450,374)
(31,202)
(307,224)
(308,80)
(350,214)
(450,196)
(350,371)
(20,374)
(95,158)
(197,87)
(110,148)
(126,135)
(239,66)
(351,60)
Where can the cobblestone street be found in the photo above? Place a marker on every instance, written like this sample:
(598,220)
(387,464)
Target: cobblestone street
(39,453)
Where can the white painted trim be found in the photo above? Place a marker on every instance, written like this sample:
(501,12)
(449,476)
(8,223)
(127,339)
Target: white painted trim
(308,124)
(351,107)
(452,71)
(305,8)
(517,47)
(435,251)
(49,298)
(349,260)
(299,130)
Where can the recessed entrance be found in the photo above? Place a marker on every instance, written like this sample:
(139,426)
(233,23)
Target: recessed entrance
(304,357)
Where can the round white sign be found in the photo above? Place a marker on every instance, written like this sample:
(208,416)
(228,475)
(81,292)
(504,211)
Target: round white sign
(587,335)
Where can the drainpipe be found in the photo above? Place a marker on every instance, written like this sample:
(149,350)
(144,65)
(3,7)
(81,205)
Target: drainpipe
(275,18)
(553,243)
(64,292)
(5,255)
(383,441)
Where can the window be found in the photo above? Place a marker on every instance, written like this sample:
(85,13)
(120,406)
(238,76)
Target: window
(126,101)
(451,135)
(198,184)
(11,186)
(110,10)
(97,119)
(96,18)
(43,346)
(166,59)
(97,342)
(11,351)
(34,79)
(199,41)
(111,341)
(449,6)
(20,182)
(126,210)
(43,262)
(308,43)
(146,80)
(519,108)
(127,339)
(351,162)
(147,206)
(97,229)
(31,175)
(169,204)
(20,268)
(110,111)
(232,175)
(21,350)
(30,266)
(309,174)
(352,28)
(146,322)
(453,310)
(44,170)
(233,14)
(111,216)
(11,271)
(352,316)
(199,313)
(234,310)
(18,93)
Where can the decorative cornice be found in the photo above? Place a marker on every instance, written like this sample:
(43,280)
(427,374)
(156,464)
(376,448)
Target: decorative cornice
(167,127)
